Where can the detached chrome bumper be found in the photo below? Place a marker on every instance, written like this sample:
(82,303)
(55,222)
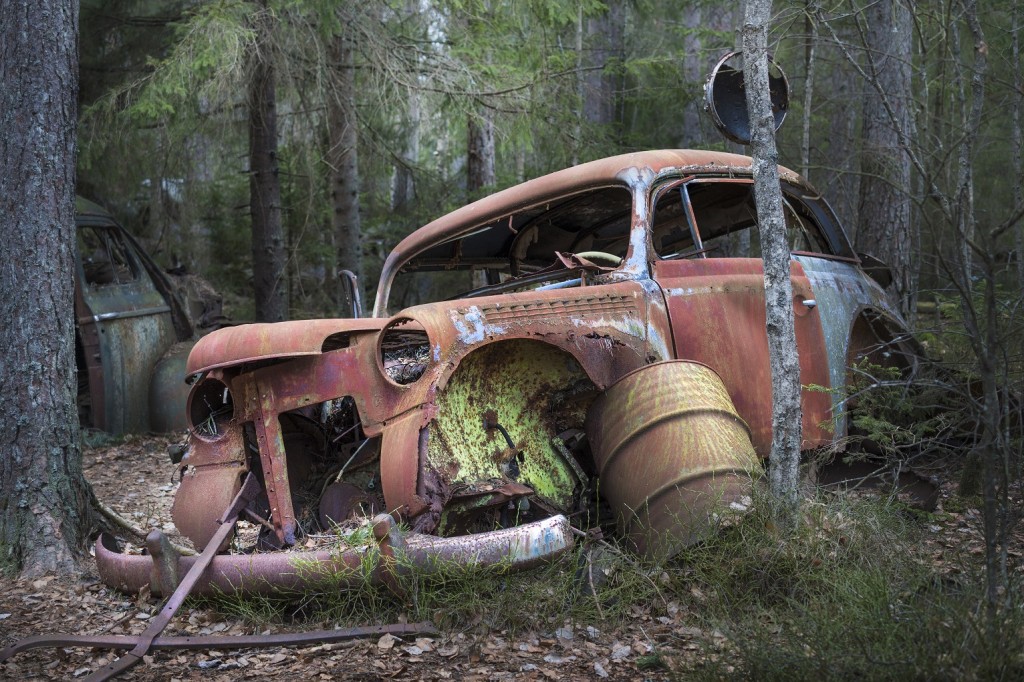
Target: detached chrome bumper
(273,572)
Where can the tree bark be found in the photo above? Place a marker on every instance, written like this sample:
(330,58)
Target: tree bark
(809,65)
(984,333)
(884,210)
(694,70)
(480,153)
(44,511)
(840,176)
(605,36)
(784,461)
(1018,140)
(343,159)
(269,255)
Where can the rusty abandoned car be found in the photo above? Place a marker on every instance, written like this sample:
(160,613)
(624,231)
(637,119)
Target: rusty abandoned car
(133,330)
(587,347)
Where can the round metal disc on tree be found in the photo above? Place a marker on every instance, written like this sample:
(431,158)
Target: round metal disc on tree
(725,100)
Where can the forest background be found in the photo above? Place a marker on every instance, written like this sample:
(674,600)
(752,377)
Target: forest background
(384,115)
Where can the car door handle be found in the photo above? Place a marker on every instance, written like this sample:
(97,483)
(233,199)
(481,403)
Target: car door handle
(809,302)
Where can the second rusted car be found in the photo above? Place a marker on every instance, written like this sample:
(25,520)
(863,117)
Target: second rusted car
(590,345)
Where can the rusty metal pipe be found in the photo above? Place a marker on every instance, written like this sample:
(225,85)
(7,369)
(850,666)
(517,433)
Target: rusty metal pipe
(519,548)
(217,641)
(167,575)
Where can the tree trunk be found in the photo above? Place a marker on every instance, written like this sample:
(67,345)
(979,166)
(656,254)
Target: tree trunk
(403,187)
(784,461)
(884,228)
(480,153)
(44,512)
(694,70)
(840,177)
(1017,136)
(984,334)
(809,64)
(344,160)
(268,243)
(605,37)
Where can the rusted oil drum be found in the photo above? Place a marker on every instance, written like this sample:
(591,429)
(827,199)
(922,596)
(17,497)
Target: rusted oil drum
(669,448)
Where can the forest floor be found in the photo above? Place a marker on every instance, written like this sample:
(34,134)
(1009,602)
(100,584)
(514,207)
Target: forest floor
(134,477)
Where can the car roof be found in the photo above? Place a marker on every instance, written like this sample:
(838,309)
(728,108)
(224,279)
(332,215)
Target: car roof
(623,170)
(627,170)
(90,213)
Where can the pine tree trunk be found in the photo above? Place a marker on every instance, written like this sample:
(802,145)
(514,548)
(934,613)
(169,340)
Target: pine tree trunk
(884,227)
(480,153)
(44,512)
(840,177)
(268,243)
(1017,135)
(344,160)
(694,69)
(605,38)
(784,460)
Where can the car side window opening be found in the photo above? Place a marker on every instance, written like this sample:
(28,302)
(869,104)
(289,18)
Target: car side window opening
(718,219)
(105,258)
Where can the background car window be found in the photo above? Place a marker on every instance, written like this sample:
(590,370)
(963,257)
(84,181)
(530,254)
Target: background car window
(105,258)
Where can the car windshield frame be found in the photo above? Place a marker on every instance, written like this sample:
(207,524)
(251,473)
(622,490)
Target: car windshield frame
(523,218)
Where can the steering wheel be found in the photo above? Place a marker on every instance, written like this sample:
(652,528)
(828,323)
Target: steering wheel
(601,256)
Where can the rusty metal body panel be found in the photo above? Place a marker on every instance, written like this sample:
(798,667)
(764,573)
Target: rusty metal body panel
(473,406)
(127,319)
(717,308)
(254,342)
(843,296)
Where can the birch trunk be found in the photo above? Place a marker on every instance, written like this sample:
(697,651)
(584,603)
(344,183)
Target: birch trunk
(784,464)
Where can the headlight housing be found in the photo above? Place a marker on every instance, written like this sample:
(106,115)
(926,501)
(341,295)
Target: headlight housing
(403,351)
(210,408)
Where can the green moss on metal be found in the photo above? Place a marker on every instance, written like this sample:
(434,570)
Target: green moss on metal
(520,382)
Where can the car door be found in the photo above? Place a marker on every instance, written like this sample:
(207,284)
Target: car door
(709,268)
(124,326)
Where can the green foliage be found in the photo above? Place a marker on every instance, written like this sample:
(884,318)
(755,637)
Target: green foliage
(204,69)
(848,596)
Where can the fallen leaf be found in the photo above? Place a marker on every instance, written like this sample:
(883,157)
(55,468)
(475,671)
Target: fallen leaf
(620,651)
